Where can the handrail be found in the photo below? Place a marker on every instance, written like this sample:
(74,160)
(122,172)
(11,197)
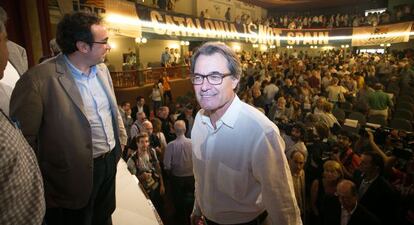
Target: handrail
(137,78)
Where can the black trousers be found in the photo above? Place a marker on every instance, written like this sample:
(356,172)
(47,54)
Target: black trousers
(183,197)
(101,203)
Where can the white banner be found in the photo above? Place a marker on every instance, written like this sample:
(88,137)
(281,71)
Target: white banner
(393,33)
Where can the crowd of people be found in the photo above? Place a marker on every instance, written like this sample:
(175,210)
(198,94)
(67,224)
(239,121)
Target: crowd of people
(333,20)
(311,167)
(299,93)
(338,20)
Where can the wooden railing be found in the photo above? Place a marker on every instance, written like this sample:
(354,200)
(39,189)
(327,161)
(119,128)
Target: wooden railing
(137,78)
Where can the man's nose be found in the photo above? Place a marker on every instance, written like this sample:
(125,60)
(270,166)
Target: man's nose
(205,85)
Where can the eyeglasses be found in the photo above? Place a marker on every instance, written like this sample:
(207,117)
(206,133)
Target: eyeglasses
(213,78)
(104,42)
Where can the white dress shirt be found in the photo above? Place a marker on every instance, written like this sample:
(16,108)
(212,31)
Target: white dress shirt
(240,168)
(177,157)
(346,216)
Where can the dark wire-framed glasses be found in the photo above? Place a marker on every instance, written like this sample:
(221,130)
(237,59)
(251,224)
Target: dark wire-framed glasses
(213,78)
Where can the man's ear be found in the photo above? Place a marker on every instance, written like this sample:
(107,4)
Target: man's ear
(235,83)
(83,46)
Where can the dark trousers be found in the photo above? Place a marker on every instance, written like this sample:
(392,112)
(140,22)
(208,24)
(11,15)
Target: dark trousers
(101,203)
(183,197)
(167,94)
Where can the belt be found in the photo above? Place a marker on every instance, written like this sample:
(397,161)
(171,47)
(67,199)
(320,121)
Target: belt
(256,221)
(103,156)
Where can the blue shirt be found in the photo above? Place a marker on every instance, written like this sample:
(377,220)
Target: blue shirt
(97,109)
(165,57)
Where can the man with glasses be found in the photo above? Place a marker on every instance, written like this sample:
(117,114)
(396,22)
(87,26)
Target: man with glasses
(68,113)
(240,169)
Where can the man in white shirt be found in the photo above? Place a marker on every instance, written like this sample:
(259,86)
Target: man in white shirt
(270,91)
(179,166)
(240,169)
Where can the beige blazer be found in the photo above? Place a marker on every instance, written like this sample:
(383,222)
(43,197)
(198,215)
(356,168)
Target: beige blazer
(49,107)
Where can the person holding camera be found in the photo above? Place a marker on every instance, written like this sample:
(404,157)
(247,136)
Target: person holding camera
(144,164)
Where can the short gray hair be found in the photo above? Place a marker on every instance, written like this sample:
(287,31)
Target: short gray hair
(179,127)
(210,48)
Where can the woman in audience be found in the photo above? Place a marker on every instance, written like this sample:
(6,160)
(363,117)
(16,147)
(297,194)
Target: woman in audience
(322,195)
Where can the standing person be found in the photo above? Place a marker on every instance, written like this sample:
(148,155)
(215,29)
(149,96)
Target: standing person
(178,164)
(227,15)
(156,98)
(140,107)
(297,163)
(379,102)
(240,169)
(69,115)
(352,212)
(165,58)
(21,188)
(166,88)
(145,165)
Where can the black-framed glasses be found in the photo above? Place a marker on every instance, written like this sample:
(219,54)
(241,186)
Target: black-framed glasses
(213,78)
(100,42)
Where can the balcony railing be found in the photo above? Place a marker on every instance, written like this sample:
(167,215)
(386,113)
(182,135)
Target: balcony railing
(137,78)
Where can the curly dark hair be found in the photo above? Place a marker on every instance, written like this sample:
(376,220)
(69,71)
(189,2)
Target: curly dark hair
(75,27)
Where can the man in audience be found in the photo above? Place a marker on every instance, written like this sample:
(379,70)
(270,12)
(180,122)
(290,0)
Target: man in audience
(379,102)
(166,85)
(165,58)
(240,168)
(353,213)
(269,91)
(178,164)
(68,113)
(297,163)
(374,188)
(137,126)
(125,112)
(294,142)
(21,187)
(166,124)
(188,117)
(348,159)
(140,107)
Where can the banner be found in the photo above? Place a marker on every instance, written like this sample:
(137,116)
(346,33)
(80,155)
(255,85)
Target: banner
(170,25)
(393,33)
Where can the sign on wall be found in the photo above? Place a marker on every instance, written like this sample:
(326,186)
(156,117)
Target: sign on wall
(393,33)
(170,24)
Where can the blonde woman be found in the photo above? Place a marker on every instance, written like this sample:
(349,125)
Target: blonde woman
(323,199)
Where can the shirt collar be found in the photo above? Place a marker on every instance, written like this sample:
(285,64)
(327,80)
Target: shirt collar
(230,116)
(79,74)
(352,211)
